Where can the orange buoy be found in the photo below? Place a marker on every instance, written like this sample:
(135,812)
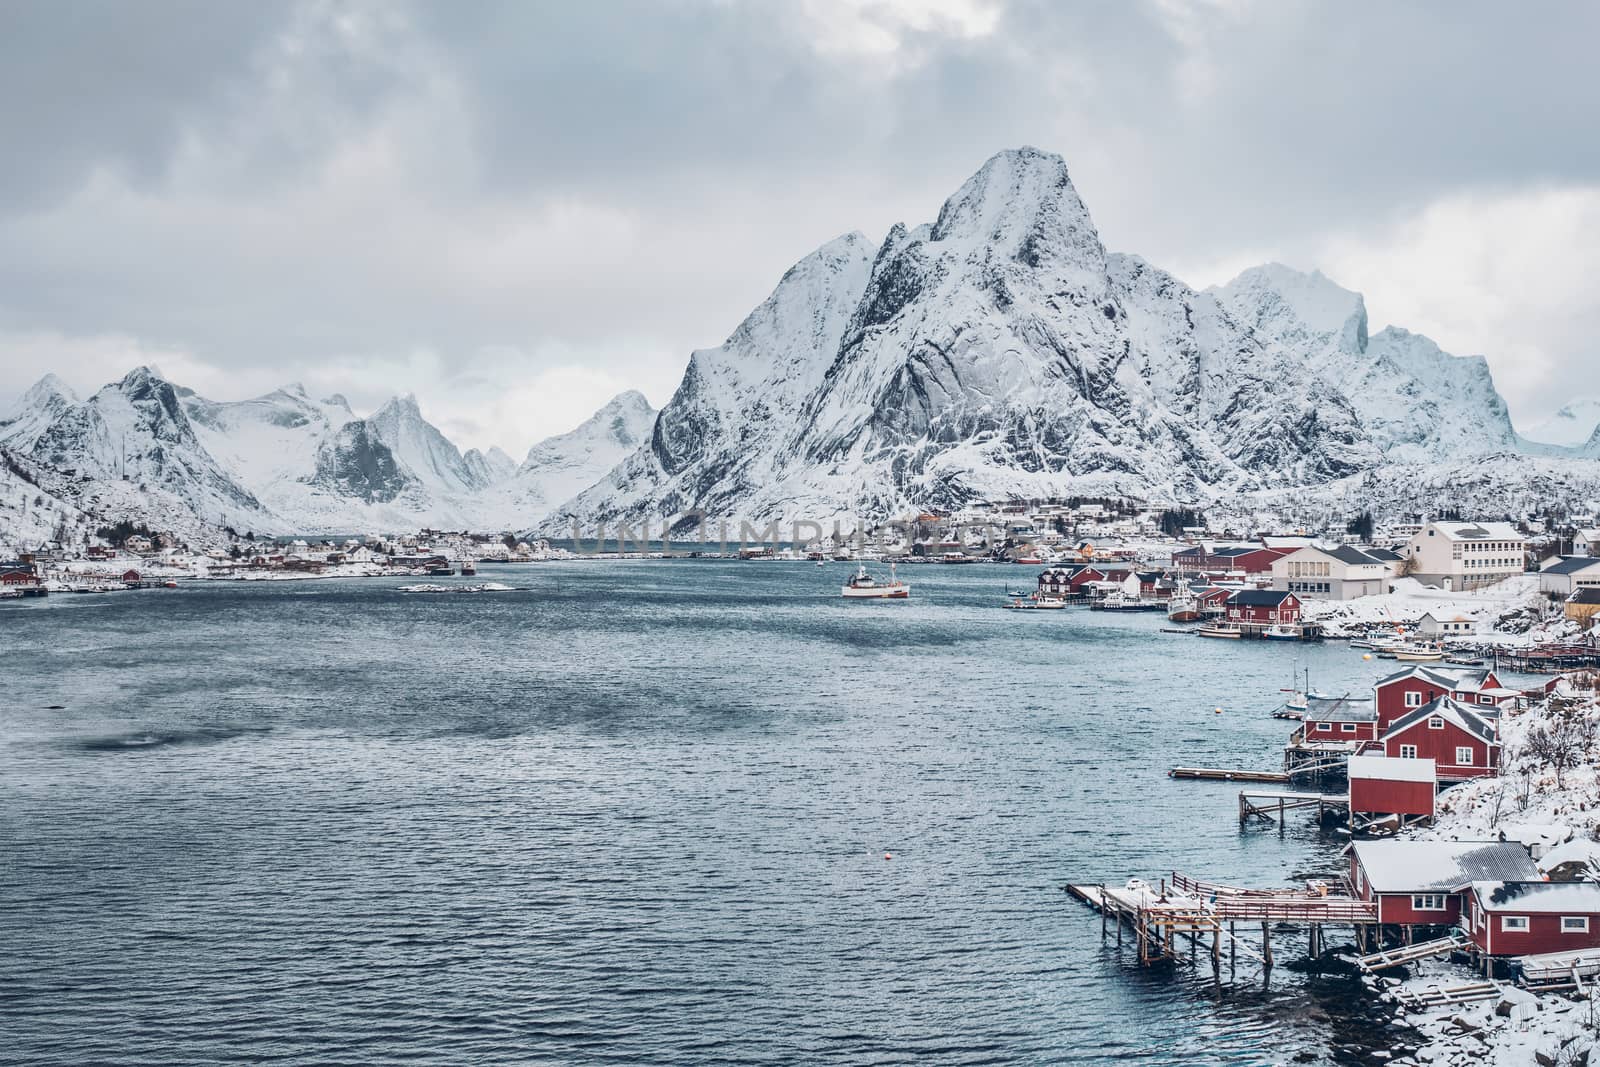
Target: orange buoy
(887,856)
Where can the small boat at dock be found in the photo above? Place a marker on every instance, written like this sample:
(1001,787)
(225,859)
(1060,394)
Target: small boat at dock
(468,568)
(1419,654)
(1034,604)
(1281,633)
(1227,632)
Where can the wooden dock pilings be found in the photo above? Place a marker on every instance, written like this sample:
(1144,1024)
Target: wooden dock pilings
(1202,910)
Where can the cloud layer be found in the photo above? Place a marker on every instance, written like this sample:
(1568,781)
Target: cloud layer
(515,210)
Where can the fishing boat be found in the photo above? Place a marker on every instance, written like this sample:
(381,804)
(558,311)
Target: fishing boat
(1461,659)
(469,567)
(1419,653)
(1183,608)
(1014,593)
(1219,631)
(862,586)
(1035,604)
(1280,632)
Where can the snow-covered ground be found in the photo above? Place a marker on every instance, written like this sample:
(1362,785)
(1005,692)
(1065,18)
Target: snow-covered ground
(1411,600)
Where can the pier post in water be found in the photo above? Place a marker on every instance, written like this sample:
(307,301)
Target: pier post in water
(1266,943)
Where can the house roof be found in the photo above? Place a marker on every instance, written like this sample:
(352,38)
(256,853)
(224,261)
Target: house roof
(1403,866)
(1259,598)
(1582,898)
(1339,709)
(1351,554)
(1391,769)
(1571,565)
(1587,595)
(1383,555)
(1464,679)
(1460,715)
(1479,531)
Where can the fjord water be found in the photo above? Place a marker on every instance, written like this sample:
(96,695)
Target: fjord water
(630,812)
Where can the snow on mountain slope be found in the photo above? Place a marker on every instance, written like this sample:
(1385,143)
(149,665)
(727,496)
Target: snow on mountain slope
(34,411)
(718,439)
(559,467)
(136,431)
(270,438)
(419,447)
(1416,402)
(491,467)
(1571,427)
(998,351)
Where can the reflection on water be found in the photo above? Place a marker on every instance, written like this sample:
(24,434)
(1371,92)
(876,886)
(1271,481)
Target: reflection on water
(630,812)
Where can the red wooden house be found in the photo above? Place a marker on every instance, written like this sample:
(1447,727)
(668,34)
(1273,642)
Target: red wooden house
(1404,691)
(1461,743)
(18,577)
(1381,786)
(1057,581)
(1264,606)
(1524,918)
(1423,883)
(1213,599)
(1338,719)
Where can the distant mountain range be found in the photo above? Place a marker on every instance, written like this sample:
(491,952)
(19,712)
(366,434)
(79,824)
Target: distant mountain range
(147,449)
(998,351)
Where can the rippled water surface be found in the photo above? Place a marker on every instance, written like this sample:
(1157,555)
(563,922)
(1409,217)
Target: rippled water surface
(630,812)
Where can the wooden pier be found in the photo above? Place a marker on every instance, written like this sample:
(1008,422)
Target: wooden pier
(1383,959)
(1218,774)
(1209,911)
(1266,805)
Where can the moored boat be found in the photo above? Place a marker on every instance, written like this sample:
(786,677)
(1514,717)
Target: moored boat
(1280,632)
(1035,604)
(1419,654)
(1183,609)
(862,586)
(468,568)
(1219,631)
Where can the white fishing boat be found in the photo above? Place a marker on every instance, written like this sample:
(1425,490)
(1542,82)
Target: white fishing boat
(1227,632)
(863,586)
(469,567)
(1280,632)
(1034,603)
(1421,653)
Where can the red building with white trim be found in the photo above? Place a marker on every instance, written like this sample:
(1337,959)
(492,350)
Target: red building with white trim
(1423,883)
(1263,606)
(1381,786)
(1404,691)
(1461,743)
(1524,918)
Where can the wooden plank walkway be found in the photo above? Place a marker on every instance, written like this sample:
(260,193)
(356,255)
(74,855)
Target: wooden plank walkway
(1218,774)
(1438,996)
(1396,957)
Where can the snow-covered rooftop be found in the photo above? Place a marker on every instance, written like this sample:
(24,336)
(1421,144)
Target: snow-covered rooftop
(1537,896)
(1411,866)
(1392,769)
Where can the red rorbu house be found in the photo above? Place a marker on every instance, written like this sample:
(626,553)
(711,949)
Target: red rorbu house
(1381,787)
(1461,743)
(18,577)
(1235,559)
(1263,606)
(1524,918)
(1403,692)
(1341,719)
(1057,581)
(1424,883)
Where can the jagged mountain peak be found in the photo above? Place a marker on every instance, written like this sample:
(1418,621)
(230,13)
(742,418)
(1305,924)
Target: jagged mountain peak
(45,389)
(1288,306)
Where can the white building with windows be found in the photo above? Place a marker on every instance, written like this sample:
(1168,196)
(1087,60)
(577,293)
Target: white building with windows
(1465,555)
(1342,572)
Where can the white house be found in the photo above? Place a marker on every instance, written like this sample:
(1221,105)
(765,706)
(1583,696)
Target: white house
(1465,555)
(1562,576)
(1338,573)
(1446,625)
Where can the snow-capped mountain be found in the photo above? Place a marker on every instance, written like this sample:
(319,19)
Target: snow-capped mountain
(559,467)
(1001,351)
(145,449)
(34,411)
(137,431)
(1571,427)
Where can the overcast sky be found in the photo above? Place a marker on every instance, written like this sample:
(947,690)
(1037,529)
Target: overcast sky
(517,209)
